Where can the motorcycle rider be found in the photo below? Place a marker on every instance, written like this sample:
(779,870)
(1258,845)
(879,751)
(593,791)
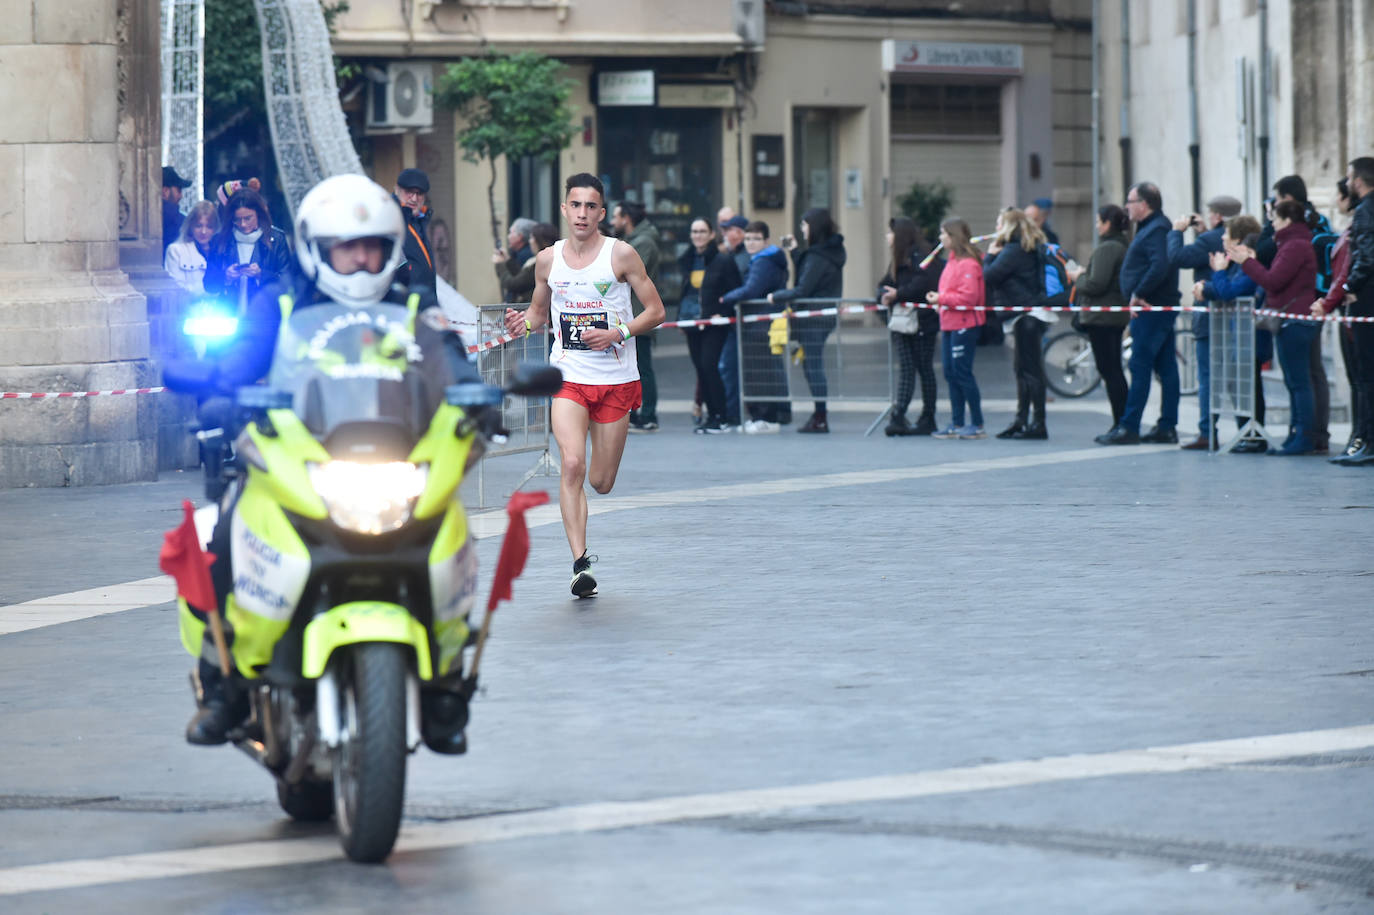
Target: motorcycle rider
(349,237)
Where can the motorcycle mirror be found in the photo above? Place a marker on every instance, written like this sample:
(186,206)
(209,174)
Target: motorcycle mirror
(473,394)
(257,397)
(188,376)
(533,380)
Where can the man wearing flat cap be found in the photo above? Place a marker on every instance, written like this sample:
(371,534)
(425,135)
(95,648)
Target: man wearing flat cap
(172,186)
(1198,256)
(412,193)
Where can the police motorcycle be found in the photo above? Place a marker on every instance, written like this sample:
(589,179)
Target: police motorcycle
(351,574)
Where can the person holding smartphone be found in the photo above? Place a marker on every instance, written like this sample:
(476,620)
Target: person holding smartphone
(1197,257)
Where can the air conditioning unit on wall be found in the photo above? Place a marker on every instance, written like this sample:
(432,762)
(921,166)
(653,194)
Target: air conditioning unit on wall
(405,99)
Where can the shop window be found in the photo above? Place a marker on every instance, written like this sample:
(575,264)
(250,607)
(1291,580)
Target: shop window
(668,159)
(922,109)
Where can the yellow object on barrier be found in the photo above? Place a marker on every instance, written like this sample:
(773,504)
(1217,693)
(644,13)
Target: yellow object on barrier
(777,336)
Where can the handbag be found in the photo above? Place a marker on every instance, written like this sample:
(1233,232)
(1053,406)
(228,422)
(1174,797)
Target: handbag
(903,320)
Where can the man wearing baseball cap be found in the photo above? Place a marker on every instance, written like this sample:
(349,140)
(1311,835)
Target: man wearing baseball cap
(172,186)
(1039,212)
(412,192)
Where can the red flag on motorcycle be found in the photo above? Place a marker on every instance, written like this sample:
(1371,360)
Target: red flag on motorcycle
(515,548)
(189,565)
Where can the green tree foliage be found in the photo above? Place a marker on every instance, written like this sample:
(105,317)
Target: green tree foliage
(926,205)
(236,128)
(512,105)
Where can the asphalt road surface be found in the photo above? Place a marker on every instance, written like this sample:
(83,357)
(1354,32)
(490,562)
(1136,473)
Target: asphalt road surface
(824,674)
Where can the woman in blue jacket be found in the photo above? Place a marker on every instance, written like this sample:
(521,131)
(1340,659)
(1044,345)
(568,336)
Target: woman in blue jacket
(1228,281)
(820,275)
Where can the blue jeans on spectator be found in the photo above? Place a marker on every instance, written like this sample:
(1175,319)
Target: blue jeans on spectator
(1295,356)
(1152,353)
(956,354)
(1206,420)
(729,375)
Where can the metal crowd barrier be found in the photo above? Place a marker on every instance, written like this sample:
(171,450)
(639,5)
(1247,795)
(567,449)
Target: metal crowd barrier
(526,418)
(1231,327)
(855,354)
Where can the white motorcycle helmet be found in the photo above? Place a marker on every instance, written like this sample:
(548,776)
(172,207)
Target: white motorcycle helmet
(343,208)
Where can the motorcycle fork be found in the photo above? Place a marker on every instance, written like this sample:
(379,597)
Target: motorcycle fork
(327,709)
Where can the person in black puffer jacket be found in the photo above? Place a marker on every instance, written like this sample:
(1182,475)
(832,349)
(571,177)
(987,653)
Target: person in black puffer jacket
(820,275)
(706,274)
(1014,280)
(906,281)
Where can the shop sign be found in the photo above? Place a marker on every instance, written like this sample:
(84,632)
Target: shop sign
(624,88)
(951,57)
(696,95)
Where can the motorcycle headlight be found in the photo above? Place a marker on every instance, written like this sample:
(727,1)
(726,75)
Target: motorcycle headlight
(369,498)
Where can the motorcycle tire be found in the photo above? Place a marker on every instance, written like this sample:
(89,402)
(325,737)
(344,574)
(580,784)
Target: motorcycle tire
(370,763)
(307,802)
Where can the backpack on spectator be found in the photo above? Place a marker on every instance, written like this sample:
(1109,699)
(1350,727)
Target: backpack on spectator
(1057,287)
(1323,243)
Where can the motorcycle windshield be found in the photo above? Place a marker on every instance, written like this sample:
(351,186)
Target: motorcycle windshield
(344,365)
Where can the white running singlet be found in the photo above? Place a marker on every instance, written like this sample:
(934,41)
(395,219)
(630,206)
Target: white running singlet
(590,297)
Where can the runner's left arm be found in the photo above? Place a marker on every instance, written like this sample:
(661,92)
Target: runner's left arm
(630,269)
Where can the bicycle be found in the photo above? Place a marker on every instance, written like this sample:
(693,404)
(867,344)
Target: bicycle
(1071,372)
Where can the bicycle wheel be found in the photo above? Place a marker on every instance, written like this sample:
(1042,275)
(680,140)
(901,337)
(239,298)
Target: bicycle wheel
(1185,348)
(1069,367)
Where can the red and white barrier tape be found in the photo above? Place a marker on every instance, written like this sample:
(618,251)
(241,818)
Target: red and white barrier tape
(720,320)
(11,395)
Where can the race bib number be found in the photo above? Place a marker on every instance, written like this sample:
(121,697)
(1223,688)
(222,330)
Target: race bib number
(575,324)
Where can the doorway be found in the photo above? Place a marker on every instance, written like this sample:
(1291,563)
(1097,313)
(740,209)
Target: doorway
(813,159)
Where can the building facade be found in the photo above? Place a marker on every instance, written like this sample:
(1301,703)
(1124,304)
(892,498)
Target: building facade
(1207,97)
(770,108)
(80,222)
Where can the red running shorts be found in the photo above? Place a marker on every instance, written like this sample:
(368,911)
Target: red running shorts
(605,403)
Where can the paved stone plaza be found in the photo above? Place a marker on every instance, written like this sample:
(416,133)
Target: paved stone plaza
(986,634)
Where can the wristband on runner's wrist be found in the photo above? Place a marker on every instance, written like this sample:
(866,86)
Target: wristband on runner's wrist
(528,328)
(624,331)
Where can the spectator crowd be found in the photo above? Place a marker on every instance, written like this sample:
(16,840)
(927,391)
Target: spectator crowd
(947,297)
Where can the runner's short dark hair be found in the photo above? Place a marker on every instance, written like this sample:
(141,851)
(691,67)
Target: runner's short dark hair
(585,179)
(757,226)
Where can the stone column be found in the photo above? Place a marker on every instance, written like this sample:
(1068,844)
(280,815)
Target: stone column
(69,319)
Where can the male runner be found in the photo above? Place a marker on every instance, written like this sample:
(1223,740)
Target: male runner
(584,284)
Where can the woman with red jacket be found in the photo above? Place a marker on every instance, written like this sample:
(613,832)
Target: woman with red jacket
(1325,305)
(1288,283)
(960,298)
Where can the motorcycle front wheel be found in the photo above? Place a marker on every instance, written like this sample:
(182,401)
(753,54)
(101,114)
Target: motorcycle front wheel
(370,762)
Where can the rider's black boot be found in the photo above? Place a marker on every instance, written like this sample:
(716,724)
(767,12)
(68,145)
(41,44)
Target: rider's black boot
(443,717)
(221,708)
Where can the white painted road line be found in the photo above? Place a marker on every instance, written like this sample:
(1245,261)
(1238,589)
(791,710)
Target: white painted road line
(586,818)
(78,605)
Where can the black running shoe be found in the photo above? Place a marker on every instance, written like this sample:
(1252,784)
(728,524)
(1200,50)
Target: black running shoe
(583,584)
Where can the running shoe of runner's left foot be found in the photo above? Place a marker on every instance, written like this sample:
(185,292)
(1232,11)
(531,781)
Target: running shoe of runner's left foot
(583,584)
